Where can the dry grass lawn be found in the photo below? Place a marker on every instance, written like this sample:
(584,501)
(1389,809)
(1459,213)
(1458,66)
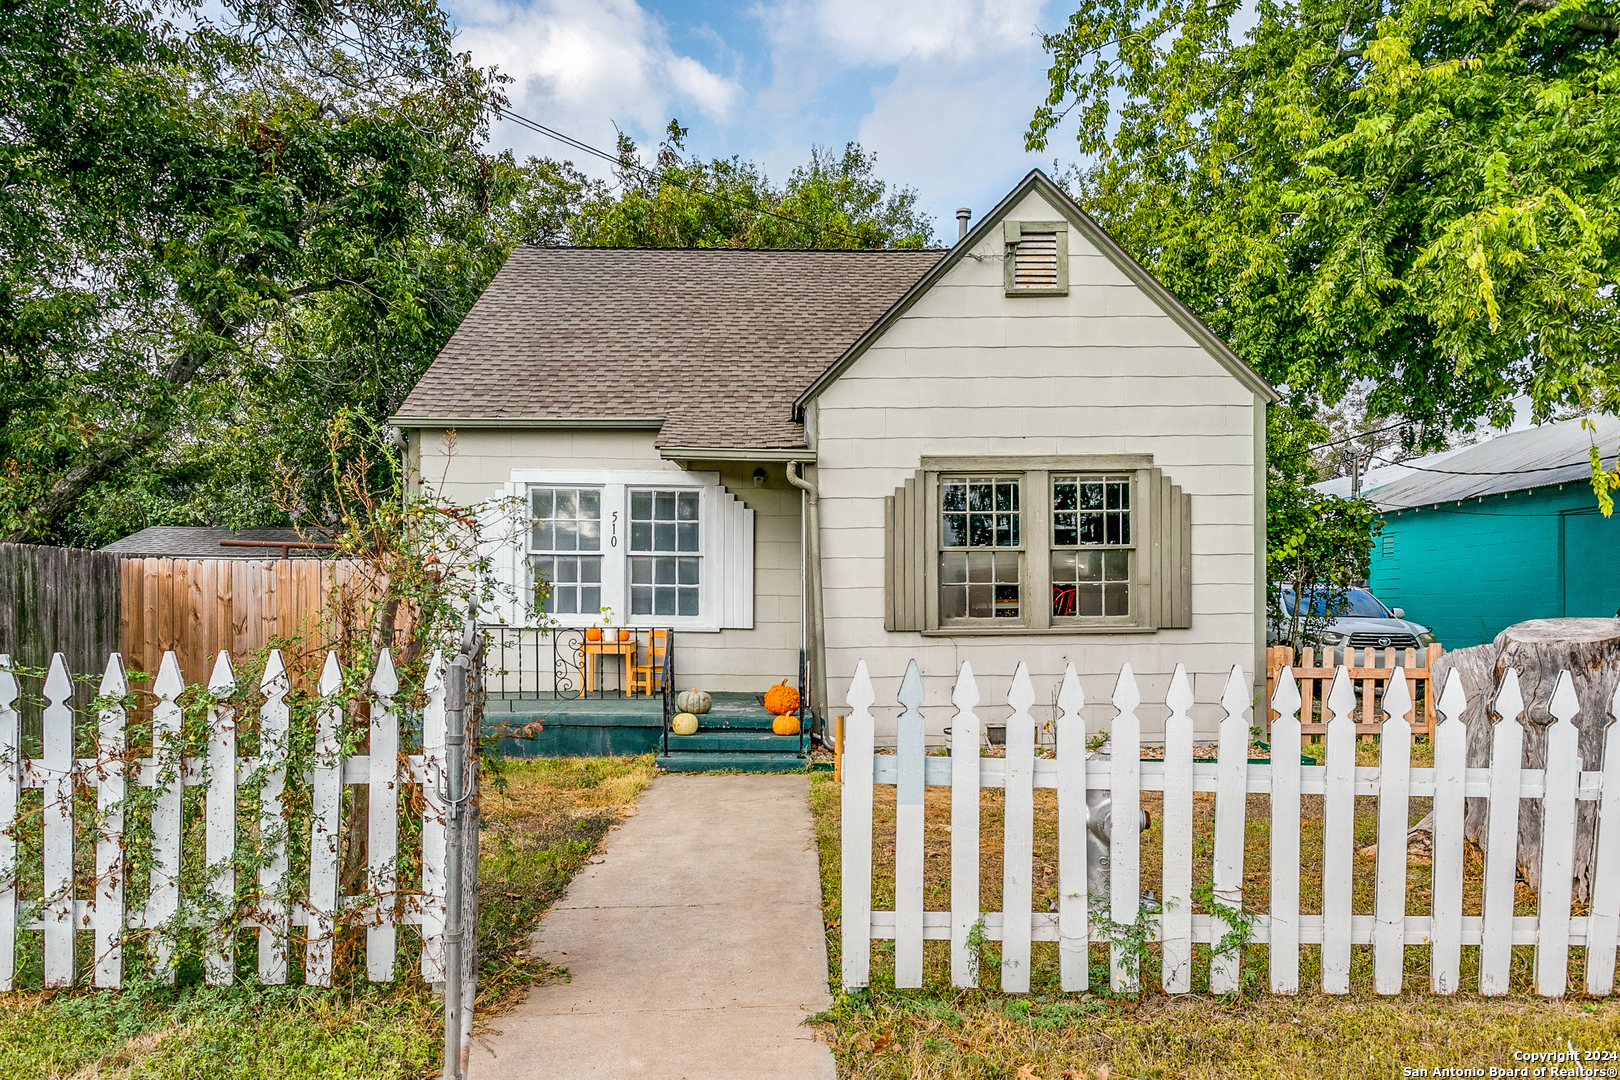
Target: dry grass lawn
(943,1032)
(542,819)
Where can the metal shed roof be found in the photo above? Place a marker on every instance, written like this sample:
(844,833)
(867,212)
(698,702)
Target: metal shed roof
(1553,453)
(203,542)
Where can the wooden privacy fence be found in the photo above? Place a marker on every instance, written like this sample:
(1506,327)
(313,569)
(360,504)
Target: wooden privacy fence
(1377,666)
(1232,778)
(56,599)
(198,608)
(245,802)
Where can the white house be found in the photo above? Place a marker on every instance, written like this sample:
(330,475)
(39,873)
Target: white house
(1020,448)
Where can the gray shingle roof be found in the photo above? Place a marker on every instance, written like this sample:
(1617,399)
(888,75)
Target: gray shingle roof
(202,542)
(1556,453)
(716,342)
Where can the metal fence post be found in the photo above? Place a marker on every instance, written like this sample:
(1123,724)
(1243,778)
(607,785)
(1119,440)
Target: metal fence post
(455,770)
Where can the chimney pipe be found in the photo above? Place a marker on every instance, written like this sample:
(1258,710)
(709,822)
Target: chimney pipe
(963,214)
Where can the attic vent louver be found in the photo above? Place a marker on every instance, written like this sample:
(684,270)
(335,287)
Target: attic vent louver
(1036,261)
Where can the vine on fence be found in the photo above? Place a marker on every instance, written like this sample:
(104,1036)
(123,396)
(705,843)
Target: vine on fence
(425,564)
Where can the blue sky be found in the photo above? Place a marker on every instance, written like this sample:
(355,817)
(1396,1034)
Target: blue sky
(942,91)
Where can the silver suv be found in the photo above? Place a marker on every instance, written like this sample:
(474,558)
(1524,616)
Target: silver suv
(1364,623)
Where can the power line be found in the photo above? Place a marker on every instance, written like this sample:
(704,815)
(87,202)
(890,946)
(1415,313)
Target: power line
(1347,438)
(1511,472)
(663,174)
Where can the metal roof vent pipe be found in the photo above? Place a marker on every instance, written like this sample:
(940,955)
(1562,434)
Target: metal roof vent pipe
(963,216)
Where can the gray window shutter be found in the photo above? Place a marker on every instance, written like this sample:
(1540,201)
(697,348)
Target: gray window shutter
(1172,552)
(905,554)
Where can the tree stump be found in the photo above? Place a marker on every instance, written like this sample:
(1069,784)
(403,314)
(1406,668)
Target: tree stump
(1589,649)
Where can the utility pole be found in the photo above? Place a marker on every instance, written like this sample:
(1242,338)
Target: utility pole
(1353,458)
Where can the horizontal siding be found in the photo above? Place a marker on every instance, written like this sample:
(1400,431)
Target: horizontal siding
(864,418)
(958,379)
(1103,370)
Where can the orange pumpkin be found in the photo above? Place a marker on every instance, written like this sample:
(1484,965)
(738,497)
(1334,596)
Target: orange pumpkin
(781,699)
(785,725)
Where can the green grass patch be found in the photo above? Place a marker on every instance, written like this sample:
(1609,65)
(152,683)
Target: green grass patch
(543,819)
(940,1031)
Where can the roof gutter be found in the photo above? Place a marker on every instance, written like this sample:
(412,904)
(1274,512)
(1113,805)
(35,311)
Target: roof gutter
(729,453)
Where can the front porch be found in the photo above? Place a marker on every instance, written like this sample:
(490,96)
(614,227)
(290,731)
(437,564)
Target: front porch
(735,734)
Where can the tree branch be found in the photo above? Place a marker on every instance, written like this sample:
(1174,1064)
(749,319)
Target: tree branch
(317,287)
(153,425)
(1592,24)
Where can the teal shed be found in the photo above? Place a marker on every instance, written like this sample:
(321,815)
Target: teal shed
(1499,533)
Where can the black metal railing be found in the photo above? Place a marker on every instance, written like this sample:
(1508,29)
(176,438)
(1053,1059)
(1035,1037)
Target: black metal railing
(667,686)
(569,662)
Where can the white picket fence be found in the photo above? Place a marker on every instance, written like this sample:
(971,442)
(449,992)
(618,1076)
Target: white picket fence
(388,904)
(1444,929)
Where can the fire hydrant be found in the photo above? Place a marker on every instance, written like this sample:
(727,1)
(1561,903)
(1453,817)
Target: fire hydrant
(1099,825)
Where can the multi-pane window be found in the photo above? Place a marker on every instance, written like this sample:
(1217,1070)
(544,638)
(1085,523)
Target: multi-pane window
(1091,546)
(665,547)
(981,557)
(565,524)
(1062,544)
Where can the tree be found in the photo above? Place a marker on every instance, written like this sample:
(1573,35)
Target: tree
(1422,194)
(1317,545)
(205,230)
(213,239)
(834,201)
(1415,199)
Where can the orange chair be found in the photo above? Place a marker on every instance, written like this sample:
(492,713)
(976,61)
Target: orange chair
(647,666)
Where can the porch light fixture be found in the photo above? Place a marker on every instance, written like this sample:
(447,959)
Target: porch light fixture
(759,477)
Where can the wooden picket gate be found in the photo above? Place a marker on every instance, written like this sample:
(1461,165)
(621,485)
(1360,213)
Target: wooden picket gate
(222,774)
(1283,927)
(1369,669)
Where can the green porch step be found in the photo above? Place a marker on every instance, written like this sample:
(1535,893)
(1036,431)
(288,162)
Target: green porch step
(729,721)
(569,727)
(710,761)
(741,742)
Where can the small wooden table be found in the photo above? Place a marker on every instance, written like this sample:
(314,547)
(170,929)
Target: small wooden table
(625,648)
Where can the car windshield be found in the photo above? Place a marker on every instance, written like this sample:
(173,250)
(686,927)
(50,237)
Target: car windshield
(1356,602)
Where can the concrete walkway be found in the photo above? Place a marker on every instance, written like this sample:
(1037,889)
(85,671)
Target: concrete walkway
(696,947)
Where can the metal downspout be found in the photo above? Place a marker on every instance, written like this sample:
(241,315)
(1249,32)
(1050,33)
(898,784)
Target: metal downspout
(818,629)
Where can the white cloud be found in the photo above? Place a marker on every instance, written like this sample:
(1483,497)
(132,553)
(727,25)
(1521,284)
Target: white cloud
(956,131)
(583,66)
(889,31)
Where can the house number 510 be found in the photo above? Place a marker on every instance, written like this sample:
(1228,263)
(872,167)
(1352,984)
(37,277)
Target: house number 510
(613,530)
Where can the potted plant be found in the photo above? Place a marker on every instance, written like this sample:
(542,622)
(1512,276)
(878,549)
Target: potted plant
(609,632)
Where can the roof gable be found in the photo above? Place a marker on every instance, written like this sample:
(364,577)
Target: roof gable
(1038,182)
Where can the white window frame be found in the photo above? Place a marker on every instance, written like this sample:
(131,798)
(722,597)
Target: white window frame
(616,486)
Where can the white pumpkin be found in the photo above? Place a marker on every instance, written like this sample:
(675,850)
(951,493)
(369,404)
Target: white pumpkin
(684,724)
